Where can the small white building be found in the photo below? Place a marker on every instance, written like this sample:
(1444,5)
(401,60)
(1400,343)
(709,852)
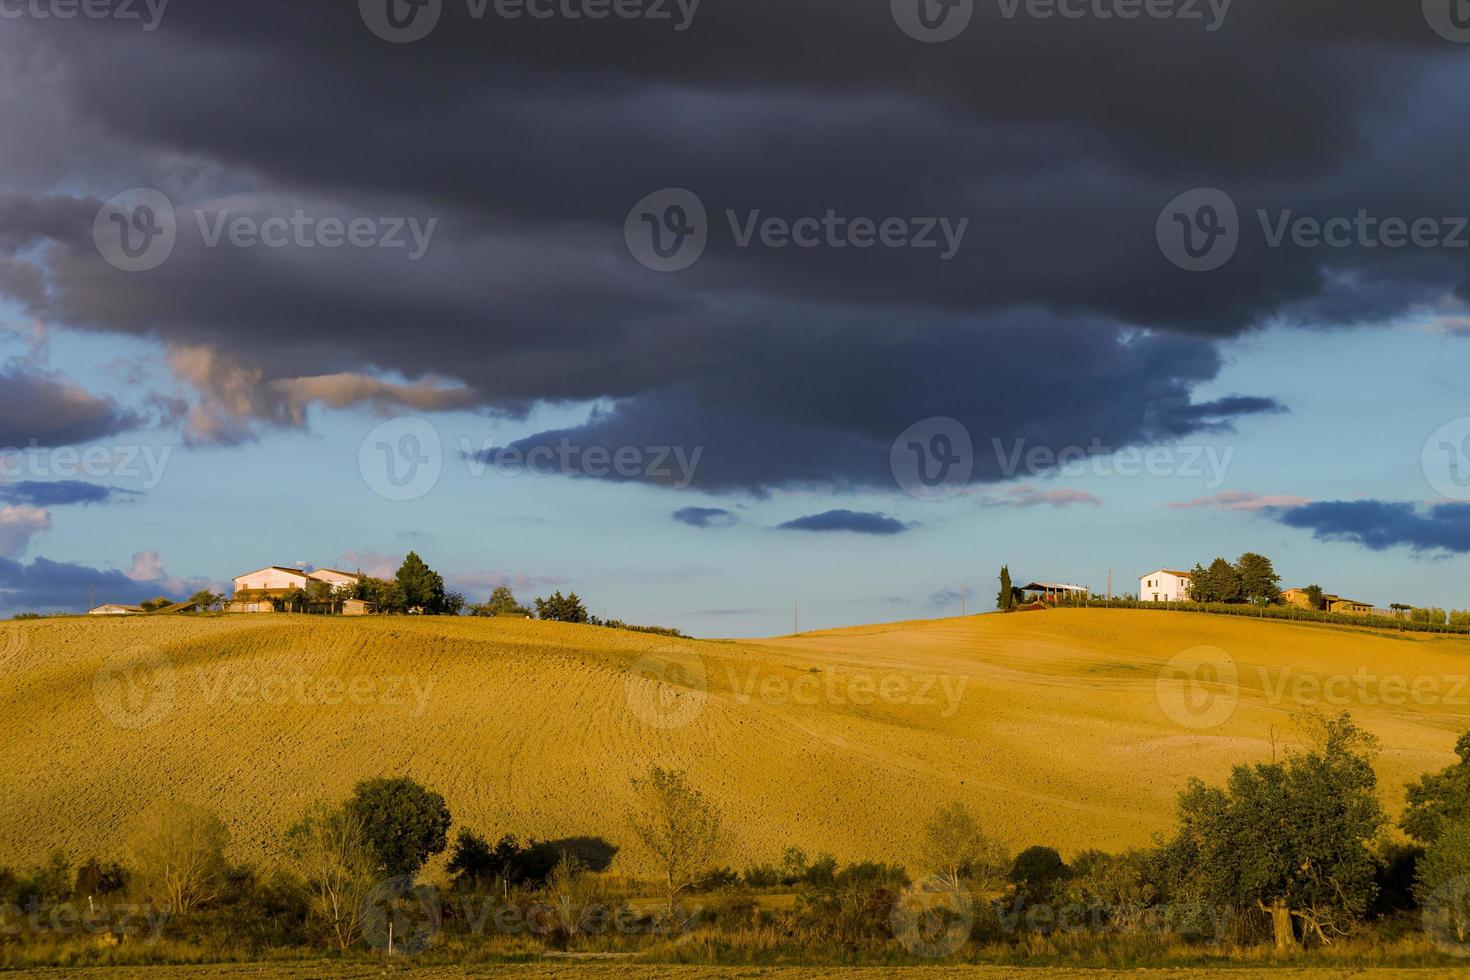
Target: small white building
(115,609)
(1164,585)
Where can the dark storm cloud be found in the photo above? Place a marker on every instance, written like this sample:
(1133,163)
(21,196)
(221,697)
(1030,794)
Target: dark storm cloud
(1060,142)
(44,585)
(1382,524)
(705,516)
(44,409)
(856,522)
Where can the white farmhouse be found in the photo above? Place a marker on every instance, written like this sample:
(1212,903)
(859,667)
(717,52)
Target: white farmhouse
(1164,585)
(266,589)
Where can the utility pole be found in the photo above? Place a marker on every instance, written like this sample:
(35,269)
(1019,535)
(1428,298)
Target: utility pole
(1110,585)
(91,596)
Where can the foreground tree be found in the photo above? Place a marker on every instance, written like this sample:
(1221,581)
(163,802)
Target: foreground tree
(1439,799)
(403,824)
(957,849)
(328,850)
(678,827)
(1442,884)
(178,851)
(1289,838)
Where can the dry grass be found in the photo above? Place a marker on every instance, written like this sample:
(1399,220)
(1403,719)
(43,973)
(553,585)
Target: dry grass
(528,727)
(597,971)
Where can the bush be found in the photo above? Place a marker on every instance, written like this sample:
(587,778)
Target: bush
(404,823)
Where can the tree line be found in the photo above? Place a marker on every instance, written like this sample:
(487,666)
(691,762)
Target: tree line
(1291,853)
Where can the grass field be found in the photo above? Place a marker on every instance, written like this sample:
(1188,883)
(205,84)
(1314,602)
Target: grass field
(595,971)
(1050,724)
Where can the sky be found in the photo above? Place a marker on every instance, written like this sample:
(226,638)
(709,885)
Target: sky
(723,313)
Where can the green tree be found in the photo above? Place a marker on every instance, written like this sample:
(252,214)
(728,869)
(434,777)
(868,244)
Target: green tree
(1291,838)
(678,827)
(206,600)
(562,609)
(1038,870)
(1316,598)
(1005,600)
(422,587)
(1259,582)
(1442,885)
(1200,588)
(1439,799)
(955,847)
(503,603)
(403,823)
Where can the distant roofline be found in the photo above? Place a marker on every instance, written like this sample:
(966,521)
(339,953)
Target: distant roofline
(1055,585)
(1168,571)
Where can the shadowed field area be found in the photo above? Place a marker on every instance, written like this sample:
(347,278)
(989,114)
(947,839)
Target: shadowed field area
(1050,725)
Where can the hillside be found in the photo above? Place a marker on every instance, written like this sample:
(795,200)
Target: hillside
(1049,724)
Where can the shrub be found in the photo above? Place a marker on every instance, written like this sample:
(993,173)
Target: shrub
(403,823)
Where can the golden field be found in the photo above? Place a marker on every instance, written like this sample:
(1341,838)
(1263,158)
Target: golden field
(1052,725)
(598,971)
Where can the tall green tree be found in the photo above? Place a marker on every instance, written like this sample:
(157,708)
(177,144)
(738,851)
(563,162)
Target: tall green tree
(403,824)
(1316,598)
(422,586)
(1006,598)
(1259,582)
(1291,838)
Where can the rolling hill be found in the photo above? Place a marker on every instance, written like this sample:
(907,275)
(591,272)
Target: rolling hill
(1055,726)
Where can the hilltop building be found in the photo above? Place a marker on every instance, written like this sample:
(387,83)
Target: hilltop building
(1164,585)
(266,590)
